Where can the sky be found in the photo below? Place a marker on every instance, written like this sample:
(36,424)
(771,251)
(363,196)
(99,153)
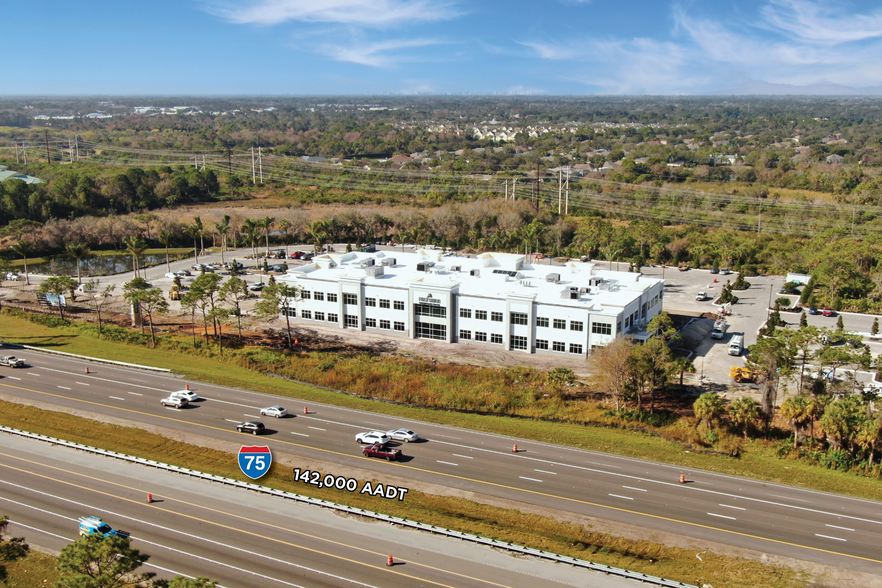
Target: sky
(505,47)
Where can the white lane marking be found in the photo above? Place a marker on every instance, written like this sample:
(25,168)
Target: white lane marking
(251,416)
(604,465)
(843,528)
(637,489)
(531,479)
(318,428)
(464,456)
(301,434)
(11,522)
(789,498)
(235,404)
(13,378)
(82,383)
(722,516)
(622,497)
(448,436)
(116,397)
(64,387)
(32,374)
(447,463)
(136,394)
(735,507)
(337,423)
(545,472)
(829,537)
(232,421)
(172,408)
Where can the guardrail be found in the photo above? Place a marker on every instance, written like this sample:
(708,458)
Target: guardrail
(86,357)
(580,563)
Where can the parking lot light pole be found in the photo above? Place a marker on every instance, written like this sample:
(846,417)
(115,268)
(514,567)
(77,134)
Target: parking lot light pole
(769,308)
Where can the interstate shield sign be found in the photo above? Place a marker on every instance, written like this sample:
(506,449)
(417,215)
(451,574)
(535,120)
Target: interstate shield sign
(255,461)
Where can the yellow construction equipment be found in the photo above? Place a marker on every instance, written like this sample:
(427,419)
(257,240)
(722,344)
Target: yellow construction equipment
(740,374)
(174,293)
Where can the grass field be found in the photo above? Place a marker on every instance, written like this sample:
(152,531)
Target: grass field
(37,570)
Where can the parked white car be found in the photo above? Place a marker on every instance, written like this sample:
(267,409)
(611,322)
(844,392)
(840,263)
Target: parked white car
(13,277)
(170,275)
(372,437)
(273,411)
(189,395)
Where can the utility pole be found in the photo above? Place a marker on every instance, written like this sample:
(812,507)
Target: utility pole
(230,162)
(253,178)
(559,189)
(77,146)
(260,163)
(70,148)
(47,146)
(16,150)
(537,186)
(196,162)
(568,192)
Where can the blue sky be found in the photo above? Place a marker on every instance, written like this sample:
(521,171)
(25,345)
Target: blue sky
(550,47)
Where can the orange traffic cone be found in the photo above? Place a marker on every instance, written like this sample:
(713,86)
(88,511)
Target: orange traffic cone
(149,498)
(390,561)
(305,410)
(682,478)
(514,449)
(188,386)
(87,369)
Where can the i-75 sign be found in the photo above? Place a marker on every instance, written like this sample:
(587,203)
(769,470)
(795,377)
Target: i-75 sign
(255,461)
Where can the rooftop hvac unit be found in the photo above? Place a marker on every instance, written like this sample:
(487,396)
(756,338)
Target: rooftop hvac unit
(388,262)
(569,295)
(424,266)
(456,268)
(553,278)
(584,290)
(595,281)
(475,272)
(367,262)
(374,271)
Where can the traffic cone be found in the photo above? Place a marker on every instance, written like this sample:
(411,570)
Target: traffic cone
(87,369)
(305,410)
(514,449)
(682,478)
(390,561)
(188,386)
(149,498)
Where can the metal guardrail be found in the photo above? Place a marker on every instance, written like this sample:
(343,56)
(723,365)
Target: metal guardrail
(580,563)
(86,357)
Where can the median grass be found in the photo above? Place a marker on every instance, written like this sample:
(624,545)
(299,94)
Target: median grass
(36,570)
(507,525)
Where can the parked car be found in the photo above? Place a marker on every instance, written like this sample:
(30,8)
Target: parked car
(257,287)
(372,437)
(724,271)
(701,296)
(13,277)
(12,361)
(253,427)
(405,435)
(829,311)
(189,395)
(377,450)
(715,270)
(814,310)
(197,267)
(175,401)
(274,411)
(297,255)
(171,275)
(307,256)
(183,273)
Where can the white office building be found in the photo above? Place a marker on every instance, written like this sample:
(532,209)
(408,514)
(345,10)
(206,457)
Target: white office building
(494,299)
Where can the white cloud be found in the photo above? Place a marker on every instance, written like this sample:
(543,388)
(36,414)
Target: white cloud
(382,54)
(372,13)
(553,51)
(829,23)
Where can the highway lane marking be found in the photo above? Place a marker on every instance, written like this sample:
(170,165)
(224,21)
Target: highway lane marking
(32,374)
(43,530)
(447,463)
(524,490)
(102,379)
(251,416)
(829,537)
(64,387)
(232,421)
(722,516)
(623,497)
(13,378)
(448,436)
(318,428)
(545,472)
(82,383)
(336,423)
(226,527)
(843,528)
(116,397)
(463,456)
(531,479)
(637,489)
(136,394)
(734,507)
(234,404)
(172,408)
(788,498)
(301,434)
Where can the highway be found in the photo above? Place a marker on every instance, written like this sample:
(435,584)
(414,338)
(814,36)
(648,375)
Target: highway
(242,538)
(771,518)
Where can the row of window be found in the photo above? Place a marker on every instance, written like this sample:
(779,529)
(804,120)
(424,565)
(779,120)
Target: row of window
(384,303)
(521,343)
(384,324)
(480,336)
(559,346)
(319,316)
(351,299)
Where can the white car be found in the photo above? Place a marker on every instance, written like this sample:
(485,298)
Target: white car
(13,277)
(273,411)
(405,435)
(170,275)
(175,401)
(372,437)
(189,395)
(701,296)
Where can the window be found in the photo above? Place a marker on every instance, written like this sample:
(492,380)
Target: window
(430,310)
(480,336)
(319,316)
(465,313)
(496,338)
(518,318)
(541,343)
(320,296)
(306,295)
(399,326)
(350,299)
(465,334)
(577,326)
(370,301)
(430,331)
(542,321)
(399,305)
(385,324)
(560,324)
(351,320)
(518,342)
(481,315)
(601,328)
(384,303)
(496,317)
(287,310)
(370,322)
(332,297)
(333,318)
(558,346)
(575,348)
(307,314)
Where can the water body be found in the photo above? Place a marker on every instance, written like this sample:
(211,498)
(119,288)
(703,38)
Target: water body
(103,265)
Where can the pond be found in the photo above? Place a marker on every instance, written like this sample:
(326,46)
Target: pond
(98,265)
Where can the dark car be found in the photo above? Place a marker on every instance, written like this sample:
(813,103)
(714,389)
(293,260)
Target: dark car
(715,270)
(829,311)
(378,450)
(307,256)
(253,427)
(814,310)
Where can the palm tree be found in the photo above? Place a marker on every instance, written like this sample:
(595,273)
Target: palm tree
(797,410)
(744,411)
(249,228)
(23,248)
(78,251)
(193,230)
(266,223)
(198,223)
(222,229)
(318,234)
(284,225)
(709,407)
(136,246)
(165,237)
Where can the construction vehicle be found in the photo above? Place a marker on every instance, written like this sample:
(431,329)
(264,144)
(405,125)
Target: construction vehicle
(174,293)
(742,374)
(94,525)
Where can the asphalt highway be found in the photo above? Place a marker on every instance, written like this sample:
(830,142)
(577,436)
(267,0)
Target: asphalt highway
(772,518)
(242,538)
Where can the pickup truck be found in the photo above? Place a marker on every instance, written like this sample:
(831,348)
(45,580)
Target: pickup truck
(378,450)
(12,361)
(94,525)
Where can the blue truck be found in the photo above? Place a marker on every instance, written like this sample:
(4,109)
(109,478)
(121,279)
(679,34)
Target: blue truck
(94,525)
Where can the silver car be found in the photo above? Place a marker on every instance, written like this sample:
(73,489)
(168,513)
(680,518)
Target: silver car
(405,435)
(273,411)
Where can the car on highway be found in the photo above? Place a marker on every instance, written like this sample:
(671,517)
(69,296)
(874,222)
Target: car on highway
(175,401)
(829,311)
(377,450)
(253,427)
(274,411)
(257,287)
(12,361)
(189,395)
(372,437)
(405,435)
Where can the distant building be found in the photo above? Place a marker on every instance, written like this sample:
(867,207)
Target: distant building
(835,158)
(8,174)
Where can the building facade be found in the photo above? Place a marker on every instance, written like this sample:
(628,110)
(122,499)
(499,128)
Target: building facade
(494,299)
